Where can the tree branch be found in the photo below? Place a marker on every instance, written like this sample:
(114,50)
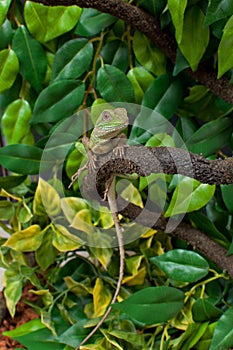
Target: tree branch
(149,26)
(146,160)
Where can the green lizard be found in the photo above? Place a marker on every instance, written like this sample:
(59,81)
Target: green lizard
(105,137)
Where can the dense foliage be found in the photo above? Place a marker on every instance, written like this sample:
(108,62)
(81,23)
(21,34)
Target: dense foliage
(55,61)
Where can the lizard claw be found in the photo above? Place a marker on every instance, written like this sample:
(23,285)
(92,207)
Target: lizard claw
(119,150)
(77,174)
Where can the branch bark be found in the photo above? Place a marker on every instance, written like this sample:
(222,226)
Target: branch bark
(149,26)
(146,160)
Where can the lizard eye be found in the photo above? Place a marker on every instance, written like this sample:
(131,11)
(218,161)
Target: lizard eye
(106,116)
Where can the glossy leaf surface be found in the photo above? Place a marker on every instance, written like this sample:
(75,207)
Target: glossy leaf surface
(15,123)
(46,23)
(195,37)
(58,101)
(153,304)
(149,56)
(114,85)
(223,333)
(32,58)
(22,159)
(9,68)
(92,22)
(225,59)
(72,59)
(182,265)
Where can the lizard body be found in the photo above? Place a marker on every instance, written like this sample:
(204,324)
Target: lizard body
(105,137)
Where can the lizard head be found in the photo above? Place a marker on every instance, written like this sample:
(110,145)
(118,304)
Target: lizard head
(111,122)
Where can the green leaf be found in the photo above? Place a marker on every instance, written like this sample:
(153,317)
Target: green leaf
(10,95)
(162,99)
(177,9)
(153,304)
(148,55)
(6,210)
(164,95)
(27,240)
(193,333)
(227,195)
(114,85)
(6,34)
(202,104)
(217,10)
(72,59)
(92,22)
(32,58)
(21,159)
(58,101)
(9,68)
(129,337)
(223,333)
(140,79)
(46,23)
(65,241)
(13,283)
(76,269)
(83,221)
(181,63)
(204,310)
(188,196)
(4,6)
(71,205)
(154,7)
(210,137)
(11,181)
(208,227)
(77,288)
(24,213)
(46,200)
(74,334)
(46,254)
(29,327)
(225,56)
(129,192)
(195,37)
(182,265)
(115,53)
(101,298)
(15,123)
(38,339)
(103,255)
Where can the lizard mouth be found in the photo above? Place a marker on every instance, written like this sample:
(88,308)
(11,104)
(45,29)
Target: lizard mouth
(113,130)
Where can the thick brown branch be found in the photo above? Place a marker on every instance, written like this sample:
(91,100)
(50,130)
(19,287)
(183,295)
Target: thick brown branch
(144,161)
(149,26)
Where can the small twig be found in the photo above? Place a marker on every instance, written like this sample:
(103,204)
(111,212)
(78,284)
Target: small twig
(113,207)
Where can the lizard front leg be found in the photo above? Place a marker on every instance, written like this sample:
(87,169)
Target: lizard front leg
(91,160)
